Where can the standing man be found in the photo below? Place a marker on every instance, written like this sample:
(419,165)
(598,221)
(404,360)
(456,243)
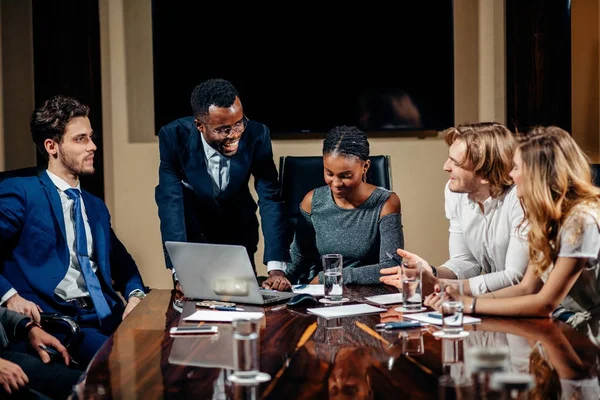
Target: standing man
(59,252)
(205,166)
(488,247)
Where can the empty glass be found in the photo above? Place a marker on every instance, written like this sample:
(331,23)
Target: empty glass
(332,271)
(412,285)
(452,306)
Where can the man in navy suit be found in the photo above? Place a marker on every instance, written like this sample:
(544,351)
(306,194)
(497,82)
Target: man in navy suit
(205,166)
(59,252)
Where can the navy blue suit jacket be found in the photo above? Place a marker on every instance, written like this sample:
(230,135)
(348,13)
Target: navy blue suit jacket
(188,208)
(35,255)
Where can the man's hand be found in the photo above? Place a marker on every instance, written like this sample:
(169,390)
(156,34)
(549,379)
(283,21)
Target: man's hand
(133,301)
(411,258)
(276,281)
(12,376)
(391,276)
(178,287)
(26,307)
(39,336)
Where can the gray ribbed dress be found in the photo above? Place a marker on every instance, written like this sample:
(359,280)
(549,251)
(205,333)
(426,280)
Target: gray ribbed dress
(358,234)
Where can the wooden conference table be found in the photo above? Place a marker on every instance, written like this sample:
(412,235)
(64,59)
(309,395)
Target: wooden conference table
(312,358)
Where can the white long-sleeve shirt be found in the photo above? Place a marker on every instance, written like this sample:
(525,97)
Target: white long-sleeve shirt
(488,248)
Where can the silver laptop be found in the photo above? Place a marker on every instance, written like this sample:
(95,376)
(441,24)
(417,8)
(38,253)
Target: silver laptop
(219,272)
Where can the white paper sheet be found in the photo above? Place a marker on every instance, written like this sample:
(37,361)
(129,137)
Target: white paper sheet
(424,317)
(345,311)
(315,290)
(221,316)
(392,298)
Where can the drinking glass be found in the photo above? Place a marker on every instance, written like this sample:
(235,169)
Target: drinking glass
(412,342)
(452,306)
(412,285)
(245,348)
(332,271)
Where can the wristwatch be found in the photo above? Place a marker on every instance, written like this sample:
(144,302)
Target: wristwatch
(137,293)
(434,270)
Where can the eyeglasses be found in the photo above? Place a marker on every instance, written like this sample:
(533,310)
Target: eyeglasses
(238,127)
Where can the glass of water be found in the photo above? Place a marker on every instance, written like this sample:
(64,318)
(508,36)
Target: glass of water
(332,271)
(245,348)
(412,285)
(452,306)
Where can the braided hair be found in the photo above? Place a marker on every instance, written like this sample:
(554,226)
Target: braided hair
(347,141)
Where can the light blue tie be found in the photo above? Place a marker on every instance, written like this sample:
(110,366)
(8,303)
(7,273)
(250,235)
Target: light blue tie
(91,280)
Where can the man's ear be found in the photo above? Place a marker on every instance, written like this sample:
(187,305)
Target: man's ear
(199,125)
(51,147)
(484,181)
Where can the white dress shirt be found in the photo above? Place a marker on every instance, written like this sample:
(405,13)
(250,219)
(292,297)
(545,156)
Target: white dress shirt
(218,168)
(488,248)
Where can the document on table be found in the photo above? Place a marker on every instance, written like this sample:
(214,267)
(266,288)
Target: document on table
(384,299)
(315,290)
(345,311)
(424,317)
(221,316)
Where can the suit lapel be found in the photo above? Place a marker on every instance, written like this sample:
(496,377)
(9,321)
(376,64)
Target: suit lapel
(55,203)
(194,165)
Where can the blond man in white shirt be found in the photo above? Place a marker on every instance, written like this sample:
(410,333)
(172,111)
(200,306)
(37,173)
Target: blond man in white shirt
(488,247)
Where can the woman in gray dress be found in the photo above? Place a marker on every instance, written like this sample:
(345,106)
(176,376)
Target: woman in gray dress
(348,216)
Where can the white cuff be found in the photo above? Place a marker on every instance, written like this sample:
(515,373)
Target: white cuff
(175,277)
(477,285)
(11,292)
(276,266)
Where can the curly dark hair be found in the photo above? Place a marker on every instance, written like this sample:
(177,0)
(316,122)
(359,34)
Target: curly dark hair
(217,92)
(51,118)
(348,141)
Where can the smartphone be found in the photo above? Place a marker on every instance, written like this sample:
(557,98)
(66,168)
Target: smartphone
(194,330)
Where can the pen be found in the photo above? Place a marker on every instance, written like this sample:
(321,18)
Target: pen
(301,286)
(48,350)
(400,325)
(394,257)
(435,315)
(222,308)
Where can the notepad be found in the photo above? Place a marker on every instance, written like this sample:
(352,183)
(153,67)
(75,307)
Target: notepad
(423,317)
(384,299)
(315,290)
(221,316)
(345,311)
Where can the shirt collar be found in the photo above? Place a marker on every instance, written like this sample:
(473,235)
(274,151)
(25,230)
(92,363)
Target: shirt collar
(208,150)
(489,204)
(60,183)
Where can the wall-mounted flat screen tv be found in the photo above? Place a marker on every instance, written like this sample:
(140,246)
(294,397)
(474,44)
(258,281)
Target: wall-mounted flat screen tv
(300,69)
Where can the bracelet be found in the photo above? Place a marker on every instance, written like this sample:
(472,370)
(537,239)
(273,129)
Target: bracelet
(434,270)
(472,310)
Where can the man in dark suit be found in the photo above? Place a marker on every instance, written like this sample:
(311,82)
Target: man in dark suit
(26,376)
(59,252)
(205,166)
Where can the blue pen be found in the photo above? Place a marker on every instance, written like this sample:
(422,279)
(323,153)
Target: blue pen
(435,315)
(300,286)
(400,325)
(223,308)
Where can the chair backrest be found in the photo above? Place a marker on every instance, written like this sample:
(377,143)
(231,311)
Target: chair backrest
(299,175)
(596,173)
(19,173)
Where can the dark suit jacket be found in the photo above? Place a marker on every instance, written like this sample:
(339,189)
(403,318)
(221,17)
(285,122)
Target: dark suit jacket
(188,208)
(35,254)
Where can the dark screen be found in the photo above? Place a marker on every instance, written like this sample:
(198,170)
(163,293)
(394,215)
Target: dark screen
(306,70)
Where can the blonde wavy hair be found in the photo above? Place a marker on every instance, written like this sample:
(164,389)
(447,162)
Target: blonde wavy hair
(557,178)
(490,147)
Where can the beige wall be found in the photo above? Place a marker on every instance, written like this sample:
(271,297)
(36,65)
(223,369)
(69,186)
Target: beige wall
(585,82)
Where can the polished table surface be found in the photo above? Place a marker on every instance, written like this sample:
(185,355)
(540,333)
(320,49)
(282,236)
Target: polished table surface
(312,358)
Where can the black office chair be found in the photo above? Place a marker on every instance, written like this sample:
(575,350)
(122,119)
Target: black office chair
(596,174)
(299,175)
(52,322)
